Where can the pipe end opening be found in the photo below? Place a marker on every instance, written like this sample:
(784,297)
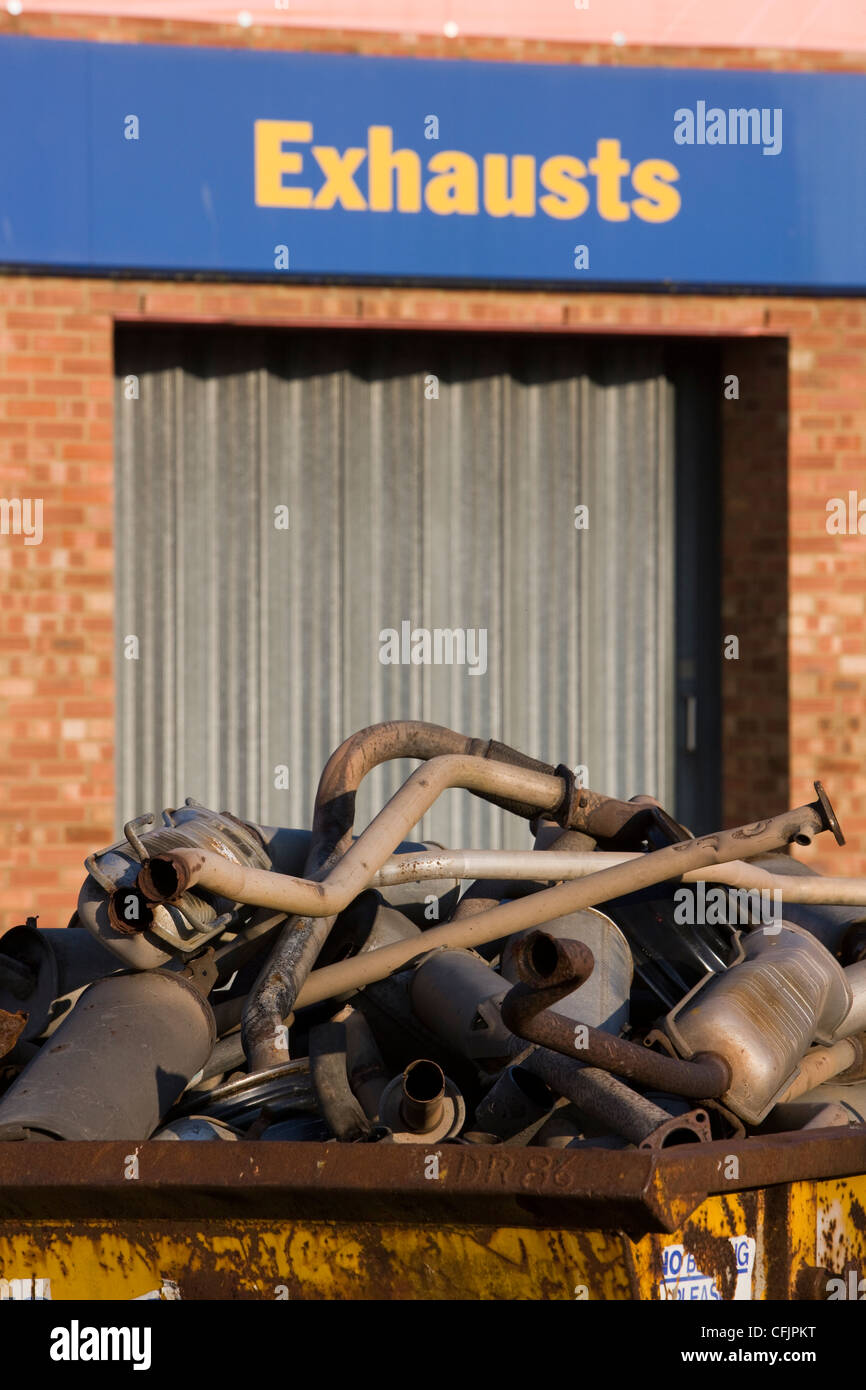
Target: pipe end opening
(543,955)
(129,912)
(160,880)
(423,1081)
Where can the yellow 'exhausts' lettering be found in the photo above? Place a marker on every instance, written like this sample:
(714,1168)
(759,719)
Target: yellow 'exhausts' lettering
(272,162)
(454,187)
(520,202)
(653,178)
(566,197)
(339,186)
(451,181)
(386,163)
(609,172)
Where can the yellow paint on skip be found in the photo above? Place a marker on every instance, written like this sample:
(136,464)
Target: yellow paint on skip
(814,1224)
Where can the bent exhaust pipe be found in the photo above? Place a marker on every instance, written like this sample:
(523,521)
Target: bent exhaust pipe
(145,934)
(550,969)
(339,876)
(798,826)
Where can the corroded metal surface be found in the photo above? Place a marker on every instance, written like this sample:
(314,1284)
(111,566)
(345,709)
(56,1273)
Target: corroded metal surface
(243,1259)
(786,1219)
(551,968)
(803,1241)
(638,1190)
(12,1025)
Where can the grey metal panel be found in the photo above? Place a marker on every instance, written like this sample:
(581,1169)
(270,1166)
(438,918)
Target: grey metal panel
(629,471)
(260,647)
(301,673)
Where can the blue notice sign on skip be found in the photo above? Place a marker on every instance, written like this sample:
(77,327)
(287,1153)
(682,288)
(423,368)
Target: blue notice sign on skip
(682,1278)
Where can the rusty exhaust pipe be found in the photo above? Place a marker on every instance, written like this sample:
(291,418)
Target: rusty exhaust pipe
(601,1097)
(328,1069)
(798,826)
(422,1105)
(336,883)
(332,883)
(173,873)
(521,866)
(423,1096)
(551,968)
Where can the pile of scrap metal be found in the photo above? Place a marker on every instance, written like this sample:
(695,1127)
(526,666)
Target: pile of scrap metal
(224,980)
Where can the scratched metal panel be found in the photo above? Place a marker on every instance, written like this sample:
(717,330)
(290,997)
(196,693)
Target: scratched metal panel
(259,647)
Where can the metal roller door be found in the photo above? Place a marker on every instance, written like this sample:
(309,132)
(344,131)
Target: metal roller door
(430,479)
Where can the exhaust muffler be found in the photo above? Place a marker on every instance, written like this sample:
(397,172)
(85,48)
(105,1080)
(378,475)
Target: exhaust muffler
(44,970)
(116,1065)
(763,1013)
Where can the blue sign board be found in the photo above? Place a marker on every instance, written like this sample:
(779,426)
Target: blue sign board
(266,164)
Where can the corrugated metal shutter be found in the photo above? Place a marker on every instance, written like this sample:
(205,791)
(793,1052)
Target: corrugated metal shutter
(260,647)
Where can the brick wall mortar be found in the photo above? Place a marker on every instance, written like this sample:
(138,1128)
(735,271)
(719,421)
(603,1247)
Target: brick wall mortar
(114,29)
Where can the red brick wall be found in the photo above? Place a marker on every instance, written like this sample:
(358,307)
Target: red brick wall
(827,655)
(755,685)
(793,701)
(112,29)
(56,683)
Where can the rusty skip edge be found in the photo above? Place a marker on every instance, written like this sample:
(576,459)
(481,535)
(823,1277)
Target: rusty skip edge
(638,1191)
